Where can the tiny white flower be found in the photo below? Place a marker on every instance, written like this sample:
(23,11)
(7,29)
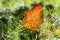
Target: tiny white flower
(0,4)
(10,17)
(56,5)
(4,9)
(44,8)
(22,3)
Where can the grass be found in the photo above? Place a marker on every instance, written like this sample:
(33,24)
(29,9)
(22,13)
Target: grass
(11,28)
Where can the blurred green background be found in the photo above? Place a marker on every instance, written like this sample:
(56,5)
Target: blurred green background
(14,4)
(12,13)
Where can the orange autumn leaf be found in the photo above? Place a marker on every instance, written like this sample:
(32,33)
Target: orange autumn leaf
(33,18)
